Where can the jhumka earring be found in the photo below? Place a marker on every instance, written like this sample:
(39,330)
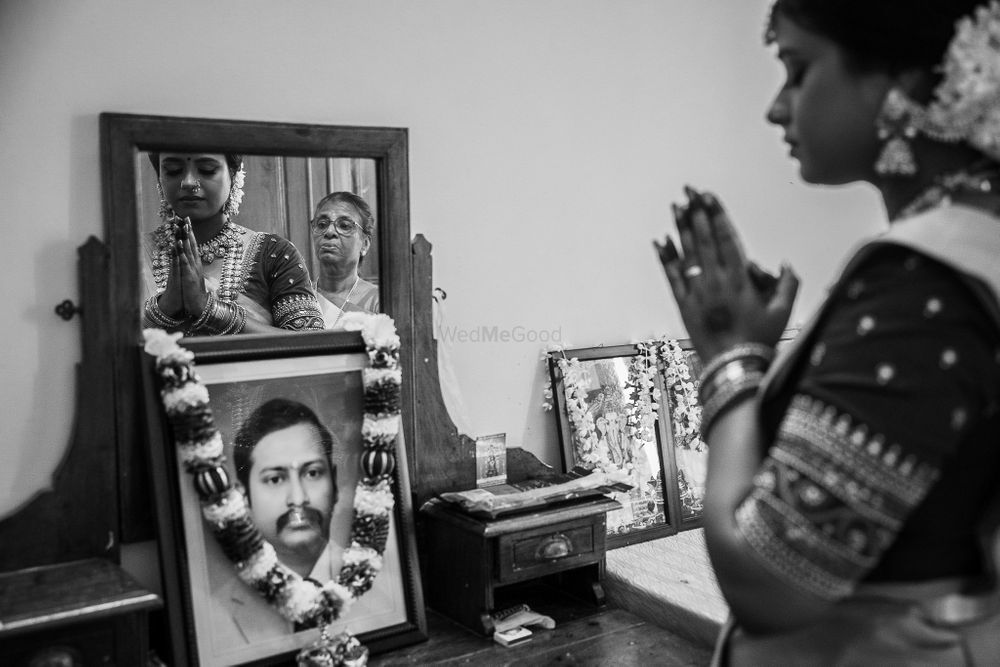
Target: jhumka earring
(896,130)
(232,206)
(166,212)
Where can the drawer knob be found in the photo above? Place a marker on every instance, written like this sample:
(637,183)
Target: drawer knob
(554,546)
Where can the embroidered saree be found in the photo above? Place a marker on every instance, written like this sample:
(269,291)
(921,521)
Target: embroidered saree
(885,456)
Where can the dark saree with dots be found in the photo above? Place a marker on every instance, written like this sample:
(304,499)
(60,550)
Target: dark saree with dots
(881,488)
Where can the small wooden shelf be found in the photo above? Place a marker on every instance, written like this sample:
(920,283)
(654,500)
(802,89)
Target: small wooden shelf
(467,559)
(90,611)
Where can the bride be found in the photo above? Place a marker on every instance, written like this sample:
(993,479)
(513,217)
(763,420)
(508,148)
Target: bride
(205,275)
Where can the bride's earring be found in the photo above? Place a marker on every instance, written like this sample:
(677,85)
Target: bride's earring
(895,131)
(166,212)
(232,206)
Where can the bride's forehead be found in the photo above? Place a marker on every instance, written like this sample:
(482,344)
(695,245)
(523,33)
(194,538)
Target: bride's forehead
(193,157)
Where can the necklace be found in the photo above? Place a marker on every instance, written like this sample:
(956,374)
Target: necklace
(981,179)
(347,300)
(218,244)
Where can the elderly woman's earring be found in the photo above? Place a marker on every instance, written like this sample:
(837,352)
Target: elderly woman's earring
(232,206)
(895,131)
(166,212)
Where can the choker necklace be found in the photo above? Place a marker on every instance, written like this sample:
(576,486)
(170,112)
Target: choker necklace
(979,179)
(228,237)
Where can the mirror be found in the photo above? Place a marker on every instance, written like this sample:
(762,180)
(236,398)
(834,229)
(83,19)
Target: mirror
(289,168)
(278,196)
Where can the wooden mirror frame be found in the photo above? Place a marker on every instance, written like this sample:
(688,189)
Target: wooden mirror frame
(123,137)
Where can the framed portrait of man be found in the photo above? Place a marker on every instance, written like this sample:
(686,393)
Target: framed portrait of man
(292,433)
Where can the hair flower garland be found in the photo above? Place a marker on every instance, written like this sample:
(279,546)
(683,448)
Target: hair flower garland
(225,510)
(966,104)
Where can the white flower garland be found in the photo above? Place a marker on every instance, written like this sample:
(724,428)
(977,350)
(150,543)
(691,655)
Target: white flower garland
(682,396)
(589,451)
(302,601)
(966,104)
(644,398)
(641,411)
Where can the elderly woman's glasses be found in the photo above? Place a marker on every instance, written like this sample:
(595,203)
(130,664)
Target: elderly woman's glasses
(343,226)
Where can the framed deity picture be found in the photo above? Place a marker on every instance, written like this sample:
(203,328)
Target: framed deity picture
(680,368)
(491,460)
(291,425)
(607,401)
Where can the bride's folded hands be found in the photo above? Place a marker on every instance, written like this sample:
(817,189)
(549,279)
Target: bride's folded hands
(724,298)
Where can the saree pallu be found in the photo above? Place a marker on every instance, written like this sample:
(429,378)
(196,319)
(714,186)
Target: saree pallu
(921,623)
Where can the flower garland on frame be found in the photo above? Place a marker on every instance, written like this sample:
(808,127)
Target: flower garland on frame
(589,450)
(682,396)
(300,600)
(643,395)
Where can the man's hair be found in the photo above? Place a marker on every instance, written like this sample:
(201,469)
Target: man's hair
(275,415)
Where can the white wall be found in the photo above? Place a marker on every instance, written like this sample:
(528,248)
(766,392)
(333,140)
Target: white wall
(547,139)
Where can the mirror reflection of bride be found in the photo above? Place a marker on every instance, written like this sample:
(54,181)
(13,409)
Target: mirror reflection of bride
(203,274)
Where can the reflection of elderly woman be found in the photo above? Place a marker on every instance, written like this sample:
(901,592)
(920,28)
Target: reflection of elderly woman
(342,235)
(203,273)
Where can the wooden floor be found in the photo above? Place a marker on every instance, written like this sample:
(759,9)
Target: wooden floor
(584,635)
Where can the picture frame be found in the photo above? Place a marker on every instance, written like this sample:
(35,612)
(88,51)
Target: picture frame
(683,434)
(213,617)
(612,390)
(683,429)
(491,460)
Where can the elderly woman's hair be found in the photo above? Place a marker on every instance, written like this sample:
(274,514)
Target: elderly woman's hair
(274,415)
(233,160)
(892,34)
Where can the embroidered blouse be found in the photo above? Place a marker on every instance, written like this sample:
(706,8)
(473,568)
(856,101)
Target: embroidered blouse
(885,439)
(262,272)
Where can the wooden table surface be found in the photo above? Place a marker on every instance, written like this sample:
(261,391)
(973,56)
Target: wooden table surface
(584,635)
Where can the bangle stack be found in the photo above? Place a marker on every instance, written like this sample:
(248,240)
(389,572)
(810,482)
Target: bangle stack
(219,318)
(154,317)
(729,378)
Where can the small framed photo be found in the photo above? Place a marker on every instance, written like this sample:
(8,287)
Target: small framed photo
(291,423)
(610,418)
(680,368)
(491,460)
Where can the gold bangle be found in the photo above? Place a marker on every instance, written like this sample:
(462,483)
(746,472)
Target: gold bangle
(206,314)
(742,351)
(155,316)
(731,371)
(740,382)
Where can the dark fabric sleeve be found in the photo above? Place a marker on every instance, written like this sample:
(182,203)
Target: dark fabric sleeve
(902,369)
(289,288)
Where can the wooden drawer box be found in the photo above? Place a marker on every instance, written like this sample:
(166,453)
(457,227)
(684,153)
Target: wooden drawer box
(536,553)
(464,559)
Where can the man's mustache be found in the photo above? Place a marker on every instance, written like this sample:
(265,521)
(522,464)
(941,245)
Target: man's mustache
(311,514)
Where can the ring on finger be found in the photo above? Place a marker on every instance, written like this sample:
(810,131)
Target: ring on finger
(692,271)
